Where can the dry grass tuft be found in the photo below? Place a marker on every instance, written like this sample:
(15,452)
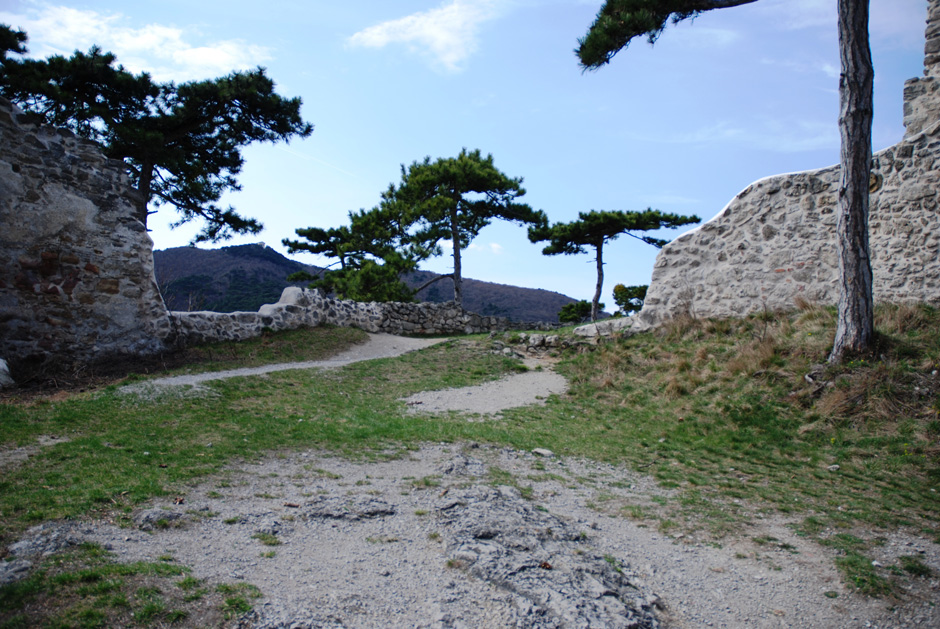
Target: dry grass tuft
(755,356)
(678,327)
(804,305)
(902,318)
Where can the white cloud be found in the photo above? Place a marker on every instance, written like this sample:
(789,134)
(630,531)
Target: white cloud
(704,37)
(798,14)
(494,247)
(447,35)
(803,67)
(167,52)
(765,133)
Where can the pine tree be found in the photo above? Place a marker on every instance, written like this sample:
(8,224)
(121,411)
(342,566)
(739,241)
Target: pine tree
(454,198)
(596,228)
(372,252)
(181,144)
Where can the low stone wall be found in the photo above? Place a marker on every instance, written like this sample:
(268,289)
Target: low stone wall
(308,308)
(76,269)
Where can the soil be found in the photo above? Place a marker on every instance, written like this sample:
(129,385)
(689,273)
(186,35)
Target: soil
(464,535)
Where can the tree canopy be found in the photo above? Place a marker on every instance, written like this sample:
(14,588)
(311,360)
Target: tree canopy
(454,198)
(619,21)
(629,298)
(372,252)
(596,228)
(576,311)
(181,144)
(447,199)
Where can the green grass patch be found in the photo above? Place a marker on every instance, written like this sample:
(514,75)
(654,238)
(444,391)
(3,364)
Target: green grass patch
(86,588)
(267,539)
(305,344)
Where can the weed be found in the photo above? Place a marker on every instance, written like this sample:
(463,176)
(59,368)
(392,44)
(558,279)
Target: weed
(915,566)
(237,598)
(382,539)
(266,538)
(614,563)
(427,482)
(861,575)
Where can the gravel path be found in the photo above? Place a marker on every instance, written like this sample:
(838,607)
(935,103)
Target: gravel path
(521,389)
(426,539)
(378,346)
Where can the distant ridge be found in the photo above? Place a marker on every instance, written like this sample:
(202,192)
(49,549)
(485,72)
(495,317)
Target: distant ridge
(244,277)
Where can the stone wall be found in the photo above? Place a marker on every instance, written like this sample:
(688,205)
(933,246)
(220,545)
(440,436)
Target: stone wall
(308,308)
(775,243)
(921,101)
(76,269)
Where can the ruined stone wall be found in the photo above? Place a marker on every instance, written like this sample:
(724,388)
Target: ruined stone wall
(76,268)
(308,308)
(921,99)
(775,242)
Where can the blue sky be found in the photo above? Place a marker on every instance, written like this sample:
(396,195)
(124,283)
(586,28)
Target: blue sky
(682,126)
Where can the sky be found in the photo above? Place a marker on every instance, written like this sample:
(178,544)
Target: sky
(683,126)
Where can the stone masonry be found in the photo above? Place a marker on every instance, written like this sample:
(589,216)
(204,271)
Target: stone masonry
(308,308)
(76,270)
(775,244)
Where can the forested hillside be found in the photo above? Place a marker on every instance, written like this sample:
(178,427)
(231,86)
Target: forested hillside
(244,277)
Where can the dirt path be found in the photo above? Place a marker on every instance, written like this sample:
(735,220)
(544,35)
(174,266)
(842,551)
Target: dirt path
(378,346)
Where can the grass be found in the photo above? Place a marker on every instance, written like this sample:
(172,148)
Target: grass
(85,588)
(270,348)
(267,539)
(718,412)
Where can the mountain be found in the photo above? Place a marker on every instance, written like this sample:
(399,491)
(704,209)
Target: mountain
(244,277)
(229,279)
(491,299)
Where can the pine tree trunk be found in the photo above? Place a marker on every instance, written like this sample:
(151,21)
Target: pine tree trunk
(144,184)
(458,280)
(855,325)
(595,305)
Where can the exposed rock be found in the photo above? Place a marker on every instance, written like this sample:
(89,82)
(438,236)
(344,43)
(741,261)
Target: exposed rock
(502,539)
(15,570)
(348,508)
(157,519)
(6,380)
(45,539)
